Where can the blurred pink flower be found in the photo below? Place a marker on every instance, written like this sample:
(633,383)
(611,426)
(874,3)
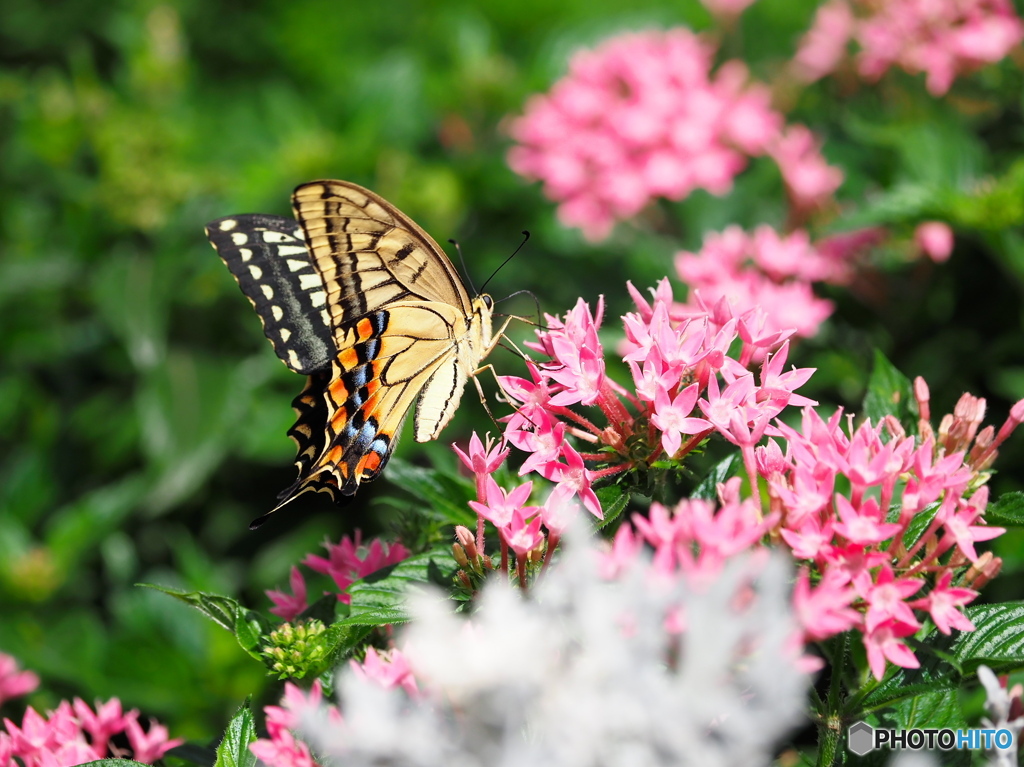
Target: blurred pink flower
(641,116)
(763,270)
(388,668)
(14,683)
(809,179)
(941,39)
(935,239)
(824,45)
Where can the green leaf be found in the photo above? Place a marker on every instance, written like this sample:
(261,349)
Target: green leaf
(707,490)
(998,640)
(890,393)
(613,500)
(221,610)
(247,625)
(250,628)
(380,598)
(112,763)
(445,495)
(1007,510)
(233,750)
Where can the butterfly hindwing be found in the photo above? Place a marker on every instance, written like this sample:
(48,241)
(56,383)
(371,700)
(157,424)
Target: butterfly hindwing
(270,261)
(391,358)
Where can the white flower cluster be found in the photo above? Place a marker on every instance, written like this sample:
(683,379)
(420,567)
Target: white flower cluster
(583,673)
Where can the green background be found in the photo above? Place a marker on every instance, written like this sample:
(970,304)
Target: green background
(143,414)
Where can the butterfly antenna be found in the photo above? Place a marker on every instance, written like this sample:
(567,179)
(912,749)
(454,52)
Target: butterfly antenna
(462,260)
(536,302)
(526,237)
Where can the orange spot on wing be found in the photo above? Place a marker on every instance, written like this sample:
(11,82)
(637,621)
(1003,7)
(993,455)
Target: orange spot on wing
(348,358)
(369,464)
(364,328)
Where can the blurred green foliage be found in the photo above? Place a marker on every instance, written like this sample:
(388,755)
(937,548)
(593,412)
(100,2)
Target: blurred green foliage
(142,414)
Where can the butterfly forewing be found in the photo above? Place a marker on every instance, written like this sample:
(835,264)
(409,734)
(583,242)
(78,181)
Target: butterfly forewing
(369,253)
(268,257)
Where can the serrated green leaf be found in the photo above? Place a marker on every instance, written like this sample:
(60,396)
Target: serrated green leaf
(233,750)
(707,490)
(1007,510)
(890,392)
(221,610)
(997,641)
(613,500)
(380,597)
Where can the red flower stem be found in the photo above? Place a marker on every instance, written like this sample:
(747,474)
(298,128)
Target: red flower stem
(521,571)
(574,416)
(747,451)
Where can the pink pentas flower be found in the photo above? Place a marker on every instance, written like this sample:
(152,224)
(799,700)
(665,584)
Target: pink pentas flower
(289,606)
(500,505)
(641,116)
(348,560)
(883,643)
(388,669)
(672,417)
(886,599)
(824,610)
(13,682)
(523,536)
(943,603)
(481,459)
(148,746)
(282,749)
(574,479)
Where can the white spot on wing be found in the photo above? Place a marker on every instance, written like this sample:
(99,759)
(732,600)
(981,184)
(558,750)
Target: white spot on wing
(245,253)
(239,238)
(268,292)
(285,334)
(256,272)
(319,298)
(292,250)
(269,236)
(310,282)
(293,358)
(326,317)
(297,266)
(277,312)
(228,224)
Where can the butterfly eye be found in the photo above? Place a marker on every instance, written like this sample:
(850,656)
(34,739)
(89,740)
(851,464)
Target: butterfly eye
(488,301)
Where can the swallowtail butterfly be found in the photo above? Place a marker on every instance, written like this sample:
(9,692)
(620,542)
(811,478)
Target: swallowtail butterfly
(355,295)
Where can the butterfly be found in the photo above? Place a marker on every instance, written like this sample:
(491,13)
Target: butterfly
(356,296)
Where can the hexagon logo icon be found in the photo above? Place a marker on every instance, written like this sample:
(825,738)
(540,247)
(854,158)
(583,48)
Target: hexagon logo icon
(860,738)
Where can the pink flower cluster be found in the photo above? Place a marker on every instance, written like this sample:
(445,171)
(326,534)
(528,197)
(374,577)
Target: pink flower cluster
(833,492)
(74,734)
(694,539)
(642,116)
(940,38)
(762,269)
(388,669)
(347,561)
